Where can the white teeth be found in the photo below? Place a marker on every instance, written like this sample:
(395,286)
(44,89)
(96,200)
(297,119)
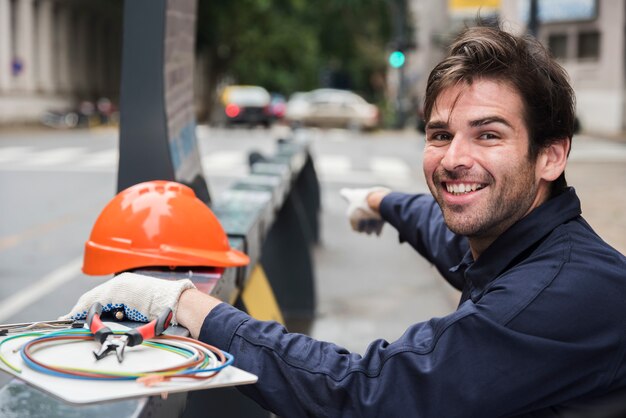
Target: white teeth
(459,188)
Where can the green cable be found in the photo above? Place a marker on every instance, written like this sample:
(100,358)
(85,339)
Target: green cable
(4,360)
(167,347)
(160,346)
(16,369)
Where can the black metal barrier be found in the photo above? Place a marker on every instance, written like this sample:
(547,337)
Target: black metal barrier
(273,216)
(276,209)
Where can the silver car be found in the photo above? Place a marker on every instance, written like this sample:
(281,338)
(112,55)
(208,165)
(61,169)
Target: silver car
(331,108)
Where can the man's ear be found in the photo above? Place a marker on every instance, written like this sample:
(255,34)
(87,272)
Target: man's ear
(553,159)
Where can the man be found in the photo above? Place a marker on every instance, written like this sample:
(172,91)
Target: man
(541,321)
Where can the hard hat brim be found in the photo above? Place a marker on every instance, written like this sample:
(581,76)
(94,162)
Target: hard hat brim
(229,258)
(99,258)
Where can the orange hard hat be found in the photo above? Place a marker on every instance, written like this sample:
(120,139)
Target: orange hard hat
(157,223)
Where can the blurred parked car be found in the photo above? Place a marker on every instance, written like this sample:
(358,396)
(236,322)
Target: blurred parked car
(246,105)
(278,105)
(331,108)
(86,114)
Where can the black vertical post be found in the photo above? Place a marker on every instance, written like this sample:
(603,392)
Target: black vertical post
(157,133)
(398,21)
(157,121)
(533,18)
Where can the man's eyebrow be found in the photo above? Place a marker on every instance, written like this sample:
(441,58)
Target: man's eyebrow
(489,119)
(437,124)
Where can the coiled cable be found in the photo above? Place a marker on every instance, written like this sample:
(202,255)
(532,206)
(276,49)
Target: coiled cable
(202,361)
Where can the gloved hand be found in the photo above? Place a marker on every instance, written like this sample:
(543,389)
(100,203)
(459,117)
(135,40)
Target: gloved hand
(143,298)
(362,217)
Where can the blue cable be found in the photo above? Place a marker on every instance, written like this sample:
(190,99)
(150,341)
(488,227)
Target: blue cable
(34,366)
(38,368)
(229,360)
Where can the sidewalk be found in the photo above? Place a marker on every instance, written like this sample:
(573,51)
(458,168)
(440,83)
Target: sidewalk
(616,138)
(597,170)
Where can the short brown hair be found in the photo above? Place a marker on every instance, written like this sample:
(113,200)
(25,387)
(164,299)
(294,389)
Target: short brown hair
(521,61)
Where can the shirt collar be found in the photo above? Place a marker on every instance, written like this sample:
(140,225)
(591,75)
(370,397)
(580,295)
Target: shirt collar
(467,261)
(518,238)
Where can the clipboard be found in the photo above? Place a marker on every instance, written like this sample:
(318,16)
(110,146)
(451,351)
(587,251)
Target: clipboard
(136,359)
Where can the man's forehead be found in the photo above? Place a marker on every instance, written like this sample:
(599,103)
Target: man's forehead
(497,98)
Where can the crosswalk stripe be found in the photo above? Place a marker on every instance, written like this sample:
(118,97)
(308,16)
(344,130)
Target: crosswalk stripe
(54,156)
(13,153)
(390,166)
(226,164)
(337,164)
(224,159)
(332,168)
(70,159)
(104,158)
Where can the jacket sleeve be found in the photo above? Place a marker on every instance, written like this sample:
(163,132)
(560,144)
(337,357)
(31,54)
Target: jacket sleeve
(419,221)
(461,365)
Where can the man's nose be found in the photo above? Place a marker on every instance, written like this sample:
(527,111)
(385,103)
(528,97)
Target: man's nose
(458,154)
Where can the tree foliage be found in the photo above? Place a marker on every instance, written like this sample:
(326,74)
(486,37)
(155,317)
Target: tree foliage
(296,45)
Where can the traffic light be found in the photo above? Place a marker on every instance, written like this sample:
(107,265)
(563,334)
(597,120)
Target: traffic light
(397,59)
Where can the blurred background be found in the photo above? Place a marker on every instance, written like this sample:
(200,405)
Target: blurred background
(63,57)
(350,74)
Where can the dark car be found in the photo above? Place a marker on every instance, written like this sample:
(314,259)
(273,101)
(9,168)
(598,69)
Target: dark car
(246,105)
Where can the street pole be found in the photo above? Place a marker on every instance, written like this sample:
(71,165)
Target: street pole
(398,15)
(533,18)
(400,101)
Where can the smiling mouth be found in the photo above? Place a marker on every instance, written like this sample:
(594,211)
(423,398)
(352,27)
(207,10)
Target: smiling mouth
(463,188)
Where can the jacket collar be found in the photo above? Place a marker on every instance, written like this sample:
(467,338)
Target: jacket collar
(517,239)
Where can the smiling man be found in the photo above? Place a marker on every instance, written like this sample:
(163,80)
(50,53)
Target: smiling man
(543,296)
(477,160)
(541,325)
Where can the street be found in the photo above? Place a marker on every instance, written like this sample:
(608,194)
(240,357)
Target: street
(54,184)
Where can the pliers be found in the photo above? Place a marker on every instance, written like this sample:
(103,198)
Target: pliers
(118,342)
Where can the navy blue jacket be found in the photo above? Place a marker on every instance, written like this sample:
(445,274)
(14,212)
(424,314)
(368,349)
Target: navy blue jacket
(542,322)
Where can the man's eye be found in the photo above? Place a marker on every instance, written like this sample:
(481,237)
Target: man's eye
(440,136)
(488,135)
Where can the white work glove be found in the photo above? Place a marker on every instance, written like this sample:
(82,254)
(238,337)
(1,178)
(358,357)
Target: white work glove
(143,298)
(362,217)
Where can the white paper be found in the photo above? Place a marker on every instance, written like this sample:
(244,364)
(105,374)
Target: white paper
(136,359)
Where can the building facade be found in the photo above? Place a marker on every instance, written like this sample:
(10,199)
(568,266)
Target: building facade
(588,37)
(55,54)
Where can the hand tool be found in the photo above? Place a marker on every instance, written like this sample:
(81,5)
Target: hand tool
(118,342)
